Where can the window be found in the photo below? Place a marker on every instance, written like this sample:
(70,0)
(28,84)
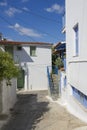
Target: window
(19,48)
(32,51)
(76,46)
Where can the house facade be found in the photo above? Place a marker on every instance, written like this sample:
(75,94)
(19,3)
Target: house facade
(75,92)
(33,59)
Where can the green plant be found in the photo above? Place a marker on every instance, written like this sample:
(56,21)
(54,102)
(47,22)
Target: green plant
(8,69)
(59,63)
(54,57)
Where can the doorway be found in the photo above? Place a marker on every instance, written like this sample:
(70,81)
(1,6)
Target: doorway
(20,79)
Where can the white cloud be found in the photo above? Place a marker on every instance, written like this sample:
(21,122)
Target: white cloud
(11,11)
(4,3)
(24,0)
(55,8)
(25,31)
(26,9)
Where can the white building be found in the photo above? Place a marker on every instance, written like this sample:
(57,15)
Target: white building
(33,59)
(75,92)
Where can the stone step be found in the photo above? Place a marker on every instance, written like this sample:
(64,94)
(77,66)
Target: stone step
(54,87)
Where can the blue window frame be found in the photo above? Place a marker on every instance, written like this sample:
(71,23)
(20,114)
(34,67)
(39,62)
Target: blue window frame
(76,30)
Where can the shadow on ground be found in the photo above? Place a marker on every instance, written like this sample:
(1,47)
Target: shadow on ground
(27,112)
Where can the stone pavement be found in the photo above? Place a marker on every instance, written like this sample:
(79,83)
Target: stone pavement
(81,128)
(33,111)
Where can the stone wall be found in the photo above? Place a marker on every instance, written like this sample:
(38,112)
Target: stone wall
(0,98)
(7,96)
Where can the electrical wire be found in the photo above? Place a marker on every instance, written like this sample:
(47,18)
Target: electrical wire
(9,23)
(38,29)
(35,14)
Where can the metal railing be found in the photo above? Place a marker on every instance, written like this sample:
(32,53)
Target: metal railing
(50,83)
(53,84)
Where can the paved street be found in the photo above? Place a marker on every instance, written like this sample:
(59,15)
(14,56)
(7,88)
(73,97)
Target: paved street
(34,112)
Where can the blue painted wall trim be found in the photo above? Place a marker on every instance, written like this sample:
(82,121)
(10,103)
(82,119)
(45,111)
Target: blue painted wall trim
(80,96)
(48,75)
(49,79)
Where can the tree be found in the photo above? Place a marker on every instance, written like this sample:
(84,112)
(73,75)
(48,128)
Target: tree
(8,69)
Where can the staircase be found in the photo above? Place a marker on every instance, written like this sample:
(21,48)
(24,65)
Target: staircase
(55,90)
(53,85)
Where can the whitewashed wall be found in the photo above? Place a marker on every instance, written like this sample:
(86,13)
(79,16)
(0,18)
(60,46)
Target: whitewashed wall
(76,71)
(36,67)
(63,88)
(76,12)
(8,95)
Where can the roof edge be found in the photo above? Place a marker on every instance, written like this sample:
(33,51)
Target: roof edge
(2,42)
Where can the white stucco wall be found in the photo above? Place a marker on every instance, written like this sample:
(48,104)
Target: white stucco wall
(76,12)
(38,77)
(8,95)
(63,89)
(36,66)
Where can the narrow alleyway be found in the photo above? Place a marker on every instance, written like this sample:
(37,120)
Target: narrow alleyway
(34,112)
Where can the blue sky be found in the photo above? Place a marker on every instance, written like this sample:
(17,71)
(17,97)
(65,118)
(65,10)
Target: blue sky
(32,20)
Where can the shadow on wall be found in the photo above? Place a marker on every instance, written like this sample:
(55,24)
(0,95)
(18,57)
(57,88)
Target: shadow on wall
(27,112)
(23,56)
